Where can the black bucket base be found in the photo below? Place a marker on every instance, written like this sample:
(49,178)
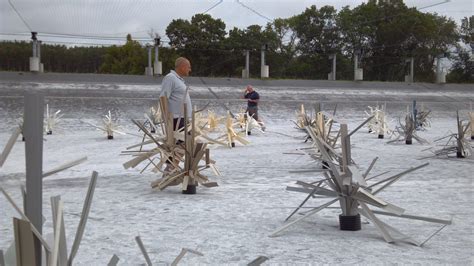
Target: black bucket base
(249,133)
(232,144)
(110,137)
(472,137)
(191,189)
(22,138)
(381,136)
(152,130)
(459,155)
(408,142)
(349,223)
(49,133)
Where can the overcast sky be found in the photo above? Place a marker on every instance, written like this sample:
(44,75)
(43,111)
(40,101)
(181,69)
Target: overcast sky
(118,17)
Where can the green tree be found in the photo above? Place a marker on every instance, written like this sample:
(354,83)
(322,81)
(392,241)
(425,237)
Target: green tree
(200,40)
(387,32)
(130,58)
(254,38)
(282,56)
(462,70)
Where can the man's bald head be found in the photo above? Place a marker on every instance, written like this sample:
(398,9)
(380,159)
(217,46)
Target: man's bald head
(179,61)
(182,66)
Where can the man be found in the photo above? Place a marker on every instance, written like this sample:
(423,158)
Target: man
(175,90)
(252,103)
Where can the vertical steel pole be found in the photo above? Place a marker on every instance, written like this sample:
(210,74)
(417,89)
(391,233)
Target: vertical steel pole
(247,64)
(33,132)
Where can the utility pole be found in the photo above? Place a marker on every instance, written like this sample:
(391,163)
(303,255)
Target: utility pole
(264,69)
(358,72)
(149,69)
(246,71)
(411,74)
(157,64)
(41,66)
(35,60)
(440,74)
(332,75)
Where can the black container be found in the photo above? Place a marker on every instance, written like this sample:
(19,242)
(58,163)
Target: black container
(381,136)
(350,222)
(233,144)
(190,189)
(110,137)
(408,142)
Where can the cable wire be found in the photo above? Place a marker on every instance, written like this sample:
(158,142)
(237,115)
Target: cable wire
(212,7)
(19,15)
(254,11)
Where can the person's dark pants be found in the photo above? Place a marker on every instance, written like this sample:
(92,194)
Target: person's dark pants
(176,127)
(253,112)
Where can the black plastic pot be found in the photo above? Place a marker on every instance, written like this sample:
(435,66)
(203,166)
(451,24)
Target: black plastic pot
(190,189)
(350,222)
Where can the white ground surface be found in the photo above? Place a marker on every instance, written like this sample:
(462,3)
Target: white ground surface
(230,224)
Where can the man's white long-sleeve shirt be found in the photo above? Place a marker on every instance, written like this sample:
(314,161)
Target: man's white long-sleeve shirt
(173,87)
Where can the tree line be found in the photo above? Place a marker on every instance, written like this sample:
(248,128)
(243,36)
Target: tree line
(383,33)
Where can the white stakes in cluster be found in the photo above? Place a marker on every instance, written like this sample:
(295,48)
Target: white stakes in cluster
(378,124)
(213,121)
(21,125)
(154,118)
(108,126)
(302,119)
(423,118)
(231,136)
(344,183)
(51,120)
(407,131)
(57,250)
(247,123)
(187,146)
(456,144)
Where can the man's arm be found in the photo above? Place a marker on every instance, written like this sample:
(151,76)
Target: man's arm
(166,87)
(246,94)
